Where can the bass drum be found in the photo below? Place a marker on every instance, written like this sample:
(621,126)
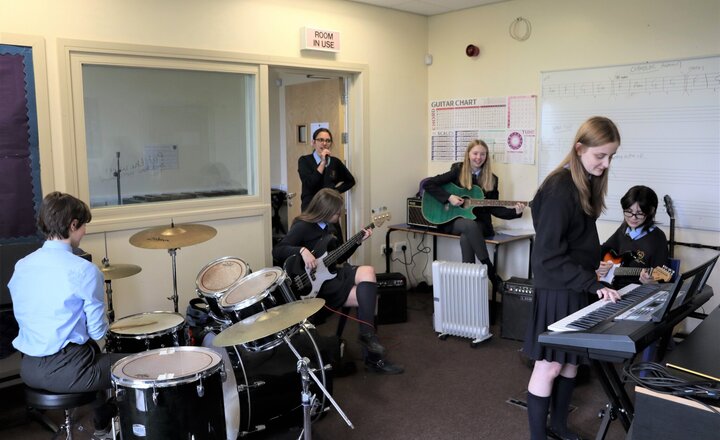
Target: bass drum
(171,393)
(145,331)
(267,385)
(215,279)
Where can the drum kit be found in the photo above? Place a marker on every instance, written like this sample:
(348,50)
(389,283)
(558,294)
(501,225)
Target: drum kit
(167,387)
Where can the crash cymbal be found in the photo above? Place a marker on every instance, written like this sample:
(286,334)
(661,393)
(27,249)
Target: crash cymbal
(173,236)
(115,271)
(266,323)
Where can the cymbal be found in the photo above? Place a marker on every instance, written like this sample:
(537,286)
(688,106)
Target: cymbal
(172,237)
(116,271)
(266,323)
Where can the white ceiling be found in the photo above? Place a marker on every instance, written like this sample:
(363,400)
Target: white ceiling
(428,7)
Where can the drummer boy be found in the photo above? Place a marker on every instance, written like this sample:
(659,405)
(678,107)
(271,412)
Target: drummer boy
(58,303)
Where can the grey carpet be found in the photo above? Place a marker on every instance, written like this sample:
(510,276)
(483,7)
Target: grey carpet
(449,391)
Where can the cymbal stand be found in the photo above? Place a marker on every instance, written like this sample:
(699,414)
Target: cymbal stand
(108,290)
(306,374)
(174,296)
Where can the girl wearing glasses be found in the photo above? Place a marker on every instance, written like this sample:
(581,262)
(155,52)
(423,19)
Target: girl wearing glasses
(564,261)
(474,170)
(637,241)
(320,170)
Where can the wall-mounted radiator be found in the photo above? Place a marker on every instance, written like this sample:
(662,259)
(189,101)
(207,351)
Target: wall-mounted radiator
(460,295)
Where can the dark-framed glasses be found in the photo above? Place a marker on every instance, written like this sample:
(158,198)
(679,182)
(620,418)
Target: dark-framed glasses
(637,215)
(324,140)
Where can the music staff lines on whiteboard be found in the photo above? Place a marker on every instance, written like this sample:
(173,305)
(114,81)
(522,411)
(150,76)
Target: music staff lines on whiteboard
(685,176)
(627,85)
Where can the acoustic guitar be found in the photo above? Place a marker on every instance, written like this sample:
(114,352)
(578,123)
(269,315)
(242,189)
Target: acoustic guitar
(438,212)
(306,283)
(660,273)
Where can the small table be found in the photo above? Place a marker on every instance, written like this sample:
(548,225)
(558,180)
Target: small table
(497,239)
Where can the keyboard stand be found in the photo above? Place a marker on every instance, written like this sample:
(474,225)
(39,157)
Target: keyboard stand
(603,361)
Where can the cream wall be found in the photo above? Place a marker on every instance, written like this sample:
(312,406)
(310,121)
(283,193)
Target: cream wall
(390,122)
(566,34)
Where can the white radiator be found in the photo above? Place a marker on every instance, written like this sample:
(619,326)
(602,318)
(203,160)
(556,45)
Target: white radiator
(460,295)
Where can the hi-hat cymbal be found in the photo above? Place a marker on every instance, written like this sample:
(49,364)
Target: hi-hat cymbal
(172,237)
(266,323)
(115,271)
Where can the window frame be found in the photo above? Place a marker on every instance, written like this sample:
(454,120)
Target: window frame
(157,213)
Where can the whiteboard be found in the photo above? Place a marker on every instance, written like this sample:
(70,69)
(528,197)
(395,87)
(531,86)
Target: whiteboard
(668,114)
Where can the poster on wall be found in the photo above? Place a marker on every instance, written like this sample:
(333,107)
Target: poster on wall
(506,124)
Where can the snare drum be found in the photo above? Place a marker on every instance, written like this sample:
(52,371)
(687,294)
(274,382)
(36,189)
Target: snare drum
(257,292)
(171,393)
(145,331)
(216,278)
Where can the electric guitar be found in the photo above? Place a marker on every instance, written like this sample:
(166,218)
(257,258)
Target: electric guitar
(306,283)
(438,212)
(660,273)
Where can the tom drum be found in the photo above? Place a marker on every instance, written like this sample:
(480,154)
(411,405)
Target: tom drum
(145,331)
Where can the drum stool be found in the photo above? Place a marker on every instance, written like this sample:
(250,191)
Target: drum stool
(44,399)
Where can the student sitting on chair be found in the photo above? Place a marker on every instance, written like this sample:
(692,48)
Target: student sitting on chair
(59,305)
(637,242)
(354,286)
(474,171)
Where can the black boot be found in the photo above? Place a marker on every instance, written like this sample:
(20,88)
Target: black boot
(496,281)
(371,343)
(378,364)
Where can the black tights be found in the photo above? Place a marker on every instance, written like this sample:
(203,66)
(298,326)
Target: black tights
(472,240)
(366,293)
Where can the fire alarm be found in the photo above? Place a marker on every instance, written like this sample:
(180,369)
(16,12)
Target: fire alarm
(472,51)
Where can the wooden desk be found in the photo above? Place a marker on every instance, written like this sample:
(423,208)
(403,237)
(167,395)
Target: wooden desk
(700,350)
(497,240)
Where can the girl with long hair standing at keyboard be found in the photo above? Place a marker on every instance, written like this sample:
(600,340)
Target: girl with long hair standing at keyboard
(564,260)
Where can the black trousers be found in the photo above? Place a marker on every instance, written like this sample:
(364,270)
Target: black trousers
(75,368)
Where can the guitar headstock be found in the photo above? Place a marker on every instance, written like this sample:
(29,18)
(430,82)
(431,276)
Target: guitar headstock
(662,274)
(381,216)
(669,207)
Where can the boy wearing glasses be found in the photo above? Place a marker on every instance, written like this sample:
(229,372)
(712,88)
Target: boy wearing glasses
(638,241)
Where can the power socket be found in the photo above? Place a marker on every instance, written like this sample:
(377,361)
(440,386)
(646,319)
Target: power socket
(398,246)
(383,250)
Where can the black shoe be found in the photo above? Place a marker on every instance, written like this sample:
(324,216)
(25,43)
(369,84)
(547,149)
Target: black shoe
(371,343)
(383,367)
(567,435)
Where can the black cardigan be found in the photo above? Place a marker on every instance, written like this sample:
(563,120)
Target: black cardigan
(433,186)
(335,176)
(566,252)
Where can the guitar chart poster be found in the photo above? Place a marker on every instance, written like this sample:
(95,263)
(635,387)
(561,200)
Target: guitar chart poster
(506,124)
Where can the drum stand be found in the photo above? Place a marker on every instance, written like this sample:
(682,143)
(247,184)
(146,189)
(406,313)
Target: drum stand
(108,293)
(305,374)
(174,296)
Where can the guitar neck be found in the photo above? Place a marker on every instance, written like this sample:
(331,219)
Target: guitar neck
(472,203)
(333,256)
(628,271)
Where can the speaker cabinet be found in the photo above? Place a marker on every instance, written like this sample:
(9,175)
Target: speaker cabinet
(517,297)
(392,298)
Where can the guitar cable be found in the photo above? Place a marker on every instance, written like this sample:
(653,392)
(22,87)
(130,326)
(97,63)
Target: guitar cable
(338,312)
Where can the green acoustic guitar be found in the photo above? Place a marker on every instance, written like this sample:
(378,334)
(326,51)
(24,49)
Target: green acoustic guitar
(438,213)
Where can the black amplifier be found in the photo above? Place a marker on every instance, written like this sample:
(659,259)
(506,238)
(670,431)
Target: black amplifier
(517,298)
(414,214)
(392,298)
